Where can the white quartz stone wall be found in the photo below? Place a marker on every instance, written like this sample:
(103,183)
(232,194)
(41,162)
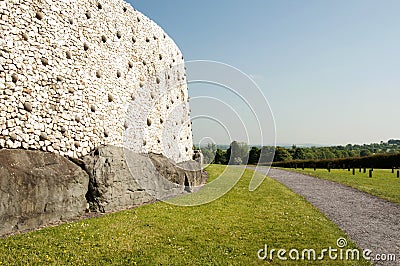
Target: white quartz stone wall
(75,75)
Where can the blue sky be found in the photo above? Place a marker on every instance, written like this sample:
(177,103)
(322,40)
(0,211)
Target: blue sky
(329,69)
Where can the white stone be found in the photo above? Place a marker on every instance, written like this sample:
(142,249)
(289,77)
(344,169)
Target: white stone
(56,102)
(17,144)
(9,144)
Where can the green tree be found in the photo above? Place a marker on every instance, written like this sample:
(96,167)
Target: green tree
(365,152)
(267,154)
(282,154)
(238,153)
(299,154)
(220,157)
(208,153)
(254,155)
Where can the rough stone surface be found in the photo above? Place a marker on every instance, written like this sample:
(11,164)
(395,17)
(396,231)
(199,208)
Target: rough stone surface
(85,76)
(120,178)
(194,175)
(38,188)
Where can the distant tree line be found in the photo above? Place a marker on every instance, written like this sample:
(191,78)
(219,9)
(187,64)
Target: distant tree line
(384,161)
(241,153)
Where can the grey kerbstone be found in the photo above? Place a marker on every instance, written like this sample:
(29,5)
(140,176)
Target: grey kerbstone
(38,188)
(120,178)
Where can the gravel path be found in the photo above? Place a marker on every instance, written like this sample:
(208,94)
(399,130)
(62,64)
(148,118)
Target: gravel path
(372,223)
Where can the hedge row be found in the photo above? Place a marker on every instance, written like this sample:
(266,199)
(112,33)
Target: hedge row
(382,161)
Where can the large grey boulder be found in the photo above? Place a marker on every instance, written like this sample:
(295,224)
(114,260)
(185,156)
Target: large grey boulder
(193,172)
(120,178)
(38,188)
(111,186)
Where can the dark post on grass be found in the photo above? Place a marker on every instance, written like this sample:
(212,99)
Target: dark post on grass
(354,171)
(370,172)
(398,173)
(392,170)
(360,169)
(365,170)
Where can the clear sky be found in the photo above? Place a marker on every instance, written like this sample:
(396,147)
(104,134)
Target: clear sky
(329,69)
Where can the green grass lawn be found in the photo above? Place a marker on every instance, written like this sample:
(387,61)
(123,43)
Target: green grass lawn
(383,184)
(228,231)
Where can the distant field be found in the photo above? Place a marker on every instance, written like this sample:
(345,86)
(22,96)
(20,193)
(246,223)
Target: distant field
(383,184)
(228,231)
